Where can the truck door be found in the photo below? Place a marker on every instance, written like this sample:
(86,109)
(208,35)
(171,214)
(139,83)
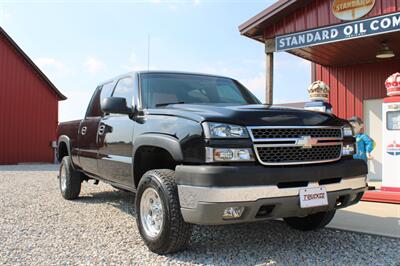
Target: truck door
(115,139)
(88,131)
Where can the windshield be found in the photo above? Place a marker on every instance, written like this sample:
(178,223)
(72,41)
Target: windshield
(160,89)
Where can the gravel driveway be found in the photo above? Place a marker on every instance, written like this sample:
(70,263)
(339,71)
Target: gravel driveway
(38,227)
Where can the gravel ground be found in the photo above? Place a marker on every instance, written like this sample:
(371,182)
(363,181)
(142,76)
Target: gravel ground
(38,227)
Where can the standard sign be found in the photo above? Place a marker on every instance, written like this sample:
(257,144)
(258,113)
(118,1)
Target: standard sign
(352,9)
(341,32)
(313,197)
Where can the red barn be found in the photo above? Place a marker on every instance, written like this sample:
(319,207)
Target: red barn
(28,107)
(353,46)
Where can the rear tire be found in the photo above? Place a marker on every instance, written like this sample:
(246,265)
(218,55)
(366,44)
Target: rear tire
(70,180)
(158,212)
(310,222)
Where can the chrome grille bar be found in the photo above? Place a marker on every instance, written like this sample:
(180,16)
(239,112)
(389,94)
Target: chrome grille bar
(296,145)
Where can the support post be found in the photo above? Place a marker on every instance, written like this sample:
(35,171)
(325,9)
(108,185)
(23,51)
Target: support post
(269,86)
(269,59)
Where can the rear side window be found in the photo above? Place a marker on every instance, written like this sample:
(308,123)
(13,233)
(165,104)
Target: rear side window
(124,89)
(93,109)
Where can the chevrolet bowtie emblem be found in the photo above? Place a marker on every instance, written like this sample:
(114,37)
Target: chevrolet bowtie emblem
(306,142)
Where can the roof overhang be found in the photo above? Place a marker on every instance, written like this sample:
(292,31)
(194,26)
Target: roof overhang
(343,52)
(253,28)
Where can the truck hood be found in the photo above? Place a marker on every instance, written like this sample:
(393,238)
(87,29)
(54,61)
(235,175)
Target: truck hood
(250,115)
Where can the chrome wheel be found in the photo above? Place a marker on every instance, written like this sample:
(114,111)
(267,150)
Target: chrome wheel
(63,178)
(151,212)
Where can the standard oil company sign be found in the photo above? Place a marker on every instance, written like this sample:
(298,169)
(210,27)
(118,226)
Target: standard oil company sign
(341,32)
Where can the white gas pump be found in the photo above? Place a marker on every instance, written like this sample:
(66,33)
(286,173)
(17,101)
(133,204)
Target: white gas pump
(391,135)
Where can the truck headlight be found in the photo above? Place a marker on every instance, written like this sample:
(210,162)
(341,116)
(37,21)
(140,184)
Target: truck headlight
(229,155)
(348,150)
(221,130)
(347,131)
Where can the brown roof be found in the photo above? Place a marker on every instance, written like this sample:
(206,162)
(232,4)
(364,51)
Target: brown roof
(32,64)
(254,26)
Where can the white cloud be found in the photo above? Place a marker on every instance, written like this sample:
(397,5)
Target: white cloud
(94,65)
(133,64)
(133,57)
(75,106)
(256,85)
(4,15)
(53,67)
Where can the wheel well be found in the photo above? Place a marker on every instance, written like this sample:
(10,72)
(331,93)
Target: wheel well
(62,151)
(150,157)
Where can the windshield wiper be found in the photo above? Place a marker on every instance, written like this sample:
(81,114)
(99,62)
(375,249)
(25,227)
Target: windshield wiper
(165,104)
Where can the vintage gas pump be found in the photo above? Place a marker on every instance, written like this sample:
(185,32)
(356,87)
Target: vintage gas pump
(390,188)
(391,135)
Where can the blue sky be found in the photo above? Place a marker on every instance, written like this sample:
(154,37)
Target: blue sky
(78,44)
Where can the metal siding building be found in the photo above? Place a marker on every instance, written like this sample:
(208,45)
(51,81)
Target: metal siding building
(349,67)
(28,107)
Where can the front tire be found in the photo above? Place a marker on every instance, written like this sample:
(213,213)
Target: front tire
(70,180)
(310,222)
(159,217)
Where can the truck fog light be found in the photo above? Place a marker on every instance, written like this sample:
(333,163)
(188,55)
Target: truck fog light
(348,150)
(244,154)
(229,155)
(223,154)
(233,212)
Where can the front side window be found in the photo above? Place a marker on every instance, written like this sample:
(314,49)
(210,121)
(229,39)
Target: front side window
(159,89)
(106,91)
(124,89)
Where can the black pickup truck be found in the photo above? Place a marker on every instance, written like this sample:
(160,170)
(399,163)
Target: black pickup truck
(201,149)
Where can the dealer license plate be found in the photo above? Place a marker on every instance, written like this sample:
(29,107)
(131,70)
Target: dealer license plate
(313,197)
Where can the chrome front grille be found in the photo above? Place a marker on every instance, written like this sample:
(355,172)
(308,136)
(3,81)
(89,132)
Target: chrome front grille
(260,133)
(296,145)
(292,154)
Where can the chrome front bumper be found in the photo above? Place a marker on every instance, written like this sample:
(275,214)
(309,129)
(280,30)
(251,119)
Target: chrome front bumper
(205,205)
(190,196)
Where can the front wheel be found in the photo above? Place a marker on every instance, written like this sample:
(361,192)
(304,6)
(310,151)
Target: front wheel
(310,222)
(159,217)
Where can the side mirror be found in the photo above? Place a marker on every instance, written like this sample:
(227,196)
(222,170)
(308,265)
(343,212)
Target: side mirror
(116,105)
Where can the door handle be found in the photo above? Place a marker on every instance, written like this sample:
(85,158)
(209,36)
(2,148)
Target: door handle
(83,130)
(102,128)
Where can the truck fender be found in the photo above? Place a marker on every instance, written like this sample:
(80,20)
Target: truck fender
(163,141)
(66,140)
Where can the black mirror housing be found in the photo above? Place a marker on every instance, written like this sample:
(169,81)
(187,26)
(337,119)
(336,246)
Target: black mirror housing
(116,105)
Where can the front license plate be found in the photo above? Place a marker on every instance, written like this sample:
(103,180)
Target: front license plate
(313,197)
